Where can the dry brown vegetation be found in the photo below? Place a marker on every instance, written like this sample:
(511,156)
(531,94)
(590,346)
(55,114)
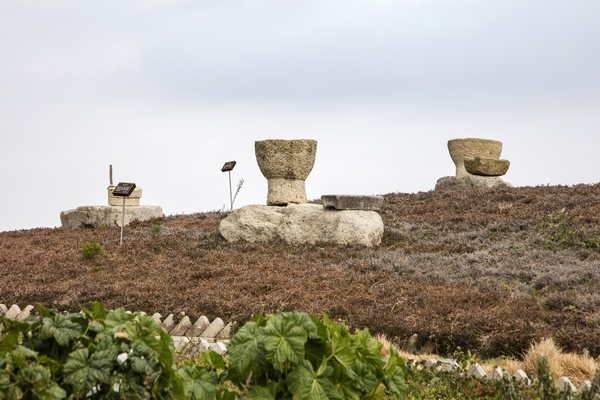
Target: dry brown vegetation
(485,270)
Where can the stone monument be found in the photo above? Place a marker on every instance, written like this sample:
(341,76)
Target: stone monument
(286,217)
(286,164)
(478,165)
(111,215)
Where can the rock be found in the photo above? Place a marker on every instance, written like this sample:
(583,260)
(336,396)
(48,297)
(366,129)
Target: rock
(585,386)
(433,363)
(521,376)
(472,147)
(496,374)
(468,182)
(168,323)
(476,371)
(111,216)
(199,327)
(12,312)
(225,333)
(352,202)
(157,317)
(213,329)
(25,313)
(302,223)
(564,383)
(411,344)
(219,348)
(448,364)
(132,200)
(182,327)
(486,166)
(286,164)
(3,309)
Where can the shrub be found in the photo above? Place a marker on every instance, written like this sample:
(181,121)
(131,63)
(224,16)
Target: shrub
(292,353)
(91,249)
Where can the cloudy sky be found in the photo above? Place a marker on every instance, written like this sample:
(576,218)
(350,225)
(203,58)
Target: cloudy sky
(167,91)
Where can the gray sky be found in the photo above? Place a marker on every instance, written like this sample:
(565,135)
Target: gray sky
(167,91)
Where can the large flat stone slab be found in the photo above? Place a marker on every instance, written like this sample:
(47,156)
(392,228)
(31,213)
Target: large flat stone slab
(469,182)
(351,202)
(303,223)
(96,216)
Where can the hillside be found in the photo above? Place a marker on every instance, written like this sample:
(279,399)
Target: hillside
(488,271)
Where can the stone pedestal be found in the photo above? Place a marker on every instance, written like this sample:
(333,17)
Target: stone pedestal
(132,200)
(478,165)
(110,216)
(351,202)
(303,223)
(286,164)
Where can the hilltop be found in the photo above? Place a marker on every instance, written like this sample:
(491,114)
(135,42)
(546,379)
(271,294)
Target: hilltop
(487,270)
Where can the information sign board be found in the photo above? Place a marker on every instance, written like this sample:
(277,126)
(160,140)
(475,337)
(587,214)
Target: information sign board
(228,166)
(124,189)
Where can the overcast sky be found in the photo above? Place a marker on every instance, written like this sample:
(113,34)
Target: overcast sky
(168,91)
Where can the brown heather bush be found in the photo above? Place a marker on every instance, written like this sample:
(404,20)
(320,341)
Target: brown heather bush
(483,270)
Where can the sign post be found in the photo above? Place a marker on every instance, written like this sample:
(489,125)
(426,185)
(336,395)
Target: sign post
(227,168)
(124,190)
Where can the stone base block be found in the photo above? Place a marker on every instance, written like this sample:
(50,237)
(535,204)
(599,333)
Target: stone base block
(351,202)
(470,182)
(284,191)
(132,200)
(96,216)
(303,223)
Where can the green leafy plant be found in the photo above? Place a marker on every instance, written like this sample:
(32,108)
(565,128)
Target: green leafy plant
(91,249)
(156,230)
(97,354)
(294,355)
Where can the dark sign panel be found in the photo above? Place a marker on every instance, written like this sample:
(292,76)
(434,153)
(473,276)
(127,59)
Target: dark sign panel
(124,189)
(228,166)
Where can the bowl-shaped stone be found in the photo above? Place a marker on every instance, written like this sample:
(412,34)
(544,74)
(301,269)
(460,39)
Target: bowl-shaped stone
(470,148)
(287,159)
(486,166)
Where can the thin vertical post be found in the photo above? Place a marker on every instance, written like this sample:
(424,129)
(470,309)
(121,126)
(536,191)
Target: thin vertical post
(230,192)
(122,221)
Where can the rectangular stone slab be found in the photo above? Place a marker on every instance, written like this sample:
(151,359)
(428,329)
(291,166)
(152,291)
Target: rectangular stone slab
(352,202)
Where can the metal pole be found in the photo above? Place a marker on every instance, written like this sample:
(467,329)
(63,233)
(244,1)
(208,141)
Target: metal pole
(122,221)
(230,192)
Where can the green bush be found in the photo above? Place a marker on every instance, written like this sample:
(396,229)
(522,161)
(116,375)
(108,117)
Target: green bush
(295,355)
(91,249)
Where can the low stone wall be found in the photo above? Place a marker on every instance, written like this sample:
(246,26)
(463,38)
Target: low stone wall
(202,335)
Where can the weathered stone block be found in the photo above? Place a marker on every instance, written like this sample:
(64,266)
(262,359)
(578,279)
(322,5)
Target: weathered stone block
(303,223)
(225,333)
(352,202)
(199,326)
(496,374)
(25,313)
(182,327)
(12,312)
(564,384)
(111,216)
(168,323)
(469,182)
(213,329)
(472,147)
(476,371)
(486,166)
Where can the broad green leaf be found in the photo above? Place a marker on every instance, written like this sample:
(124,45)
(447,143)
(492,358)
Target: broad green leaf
(12,333)
(97,313)
(302,320)
(343,349)
(362,376)
(306,384)
(283,341)
(52,392)
(395,373)
(246,353)
(343,387)
(83,372)
(198,383)
(262,392)
(213,359)
(369,348)
(116,320)
(61,328)
(144,333)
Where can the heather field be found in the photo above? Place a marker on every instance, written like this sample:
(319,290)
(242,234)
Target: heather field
(491,271)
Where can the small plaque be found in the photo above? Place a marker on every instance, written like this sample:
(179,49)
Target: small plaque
(124,189)
(228,166)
